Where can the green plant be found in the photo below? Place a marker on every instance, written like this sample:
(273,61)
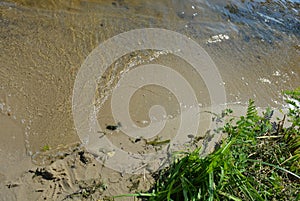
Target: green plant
(259,160)
(46,148)
(292,133)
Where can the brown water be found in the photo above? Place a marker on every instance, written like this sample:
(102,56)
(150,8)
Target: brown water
(44,43)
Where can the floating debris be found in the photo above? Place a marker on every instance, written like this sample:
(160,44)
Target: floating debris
(276,73)
(265,80)
(218,38)
(113,127)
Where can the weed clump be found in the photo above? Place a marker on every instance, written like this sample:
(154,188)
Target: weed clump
(259,160)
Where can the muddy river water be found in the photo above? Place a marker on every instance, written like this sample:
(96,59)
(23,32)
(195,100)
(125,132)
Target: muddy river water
(43,44)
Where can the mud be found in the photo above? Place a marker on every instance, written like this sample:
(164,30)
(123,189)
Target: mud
(254,44)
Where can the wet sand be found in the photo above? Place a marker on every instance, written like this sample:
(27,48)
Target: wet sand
(44,44)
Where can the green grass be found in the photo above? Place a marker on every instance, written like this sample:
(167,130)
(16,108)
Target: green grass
(259,160)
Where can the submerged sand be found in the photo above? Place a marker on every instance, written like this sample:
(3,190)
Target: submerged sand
(44,43)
